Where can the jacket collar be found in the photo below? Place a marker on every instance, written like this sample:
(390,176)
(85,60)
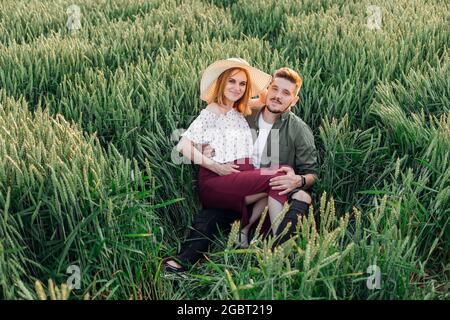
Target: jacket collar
(281,118)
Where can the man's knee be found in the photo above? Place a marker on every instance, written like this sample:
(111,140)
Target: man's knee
(302,195)
(212,218)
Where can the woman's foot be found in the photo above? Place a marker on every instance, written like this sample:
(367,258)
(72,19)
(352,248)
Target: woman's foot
(242,239)
(173,266)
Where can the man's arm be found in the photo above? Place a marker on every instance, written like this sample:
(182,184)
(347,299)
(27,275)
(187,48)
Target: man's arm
(310,178)
(291,181)
(205,149)
(304,173)
(188,149)
(306,157)
(193,152)
(259,102)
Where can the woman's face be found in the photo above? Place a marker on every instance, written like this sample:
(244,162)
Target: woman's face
(235,86)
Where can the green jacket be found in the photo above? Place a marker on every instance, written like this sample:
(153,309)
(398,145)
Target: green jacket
(296,142)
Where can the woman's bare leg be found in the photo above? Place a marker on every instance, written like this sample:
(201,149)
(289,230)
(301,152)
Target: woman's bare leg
(260,201)
(255,198)
(258,208)
(274,209)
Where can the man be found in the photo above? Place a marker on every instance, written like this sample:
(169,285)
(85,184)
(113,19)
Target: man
(273,125)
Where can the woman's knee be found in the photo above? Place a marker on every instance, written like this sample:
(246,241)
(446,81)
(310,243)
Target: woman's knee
(255,197)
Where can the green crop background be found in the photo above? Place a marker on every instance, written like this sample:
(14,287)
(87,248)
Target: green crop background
(87,123)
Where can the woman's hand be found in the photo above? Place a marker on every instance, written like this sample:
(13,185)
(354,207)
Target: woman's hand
(223,169)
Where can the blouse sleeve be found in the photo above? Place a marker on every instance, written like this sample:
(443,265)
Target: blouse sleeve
(200,130)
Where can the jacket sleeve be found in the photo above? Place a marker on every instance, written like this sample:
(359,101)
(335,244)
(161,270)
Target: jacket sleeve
(305,152)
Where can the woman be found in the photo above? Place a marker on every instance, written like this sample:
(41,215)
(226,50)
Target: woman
(228,180)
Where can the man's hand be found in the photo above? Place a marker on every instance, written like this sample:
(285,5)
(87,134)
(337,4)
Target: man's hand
(287,183)
(223,169)
(262,96)
(260,101)
(206,150)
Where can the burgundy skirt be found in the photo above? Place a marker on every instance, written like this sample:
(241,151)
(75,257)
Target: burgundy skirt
(229,192)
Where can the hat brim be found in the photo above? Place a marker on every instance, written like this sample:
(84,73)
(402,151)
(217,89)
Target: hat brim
(259,79)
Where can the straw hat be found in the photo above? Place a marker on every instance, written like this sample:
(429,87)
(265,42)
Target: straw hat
(260,80)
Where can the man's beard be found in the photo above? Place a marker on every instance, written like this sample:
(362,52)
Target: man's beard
(275,111)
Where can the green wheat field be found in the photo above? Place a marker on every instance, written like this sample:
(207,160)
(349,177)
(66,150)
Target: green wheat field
(88,124)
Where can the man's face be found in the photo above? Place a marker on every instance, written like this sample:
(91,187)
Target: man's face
(281,95)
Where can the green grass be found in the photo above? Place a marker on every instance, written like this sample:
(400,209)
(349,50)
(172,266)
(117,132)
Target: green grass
(86,135)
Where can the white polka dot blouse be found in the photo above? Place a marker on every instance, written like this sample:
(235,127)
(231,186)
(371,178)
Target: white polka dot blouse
(228,134)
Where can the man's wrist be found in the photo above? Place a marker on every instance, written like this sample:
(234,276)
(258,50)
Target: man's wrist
(301,182)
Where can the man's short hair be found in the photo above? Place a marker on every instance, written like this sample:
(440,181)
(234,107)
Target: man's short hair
(291,75)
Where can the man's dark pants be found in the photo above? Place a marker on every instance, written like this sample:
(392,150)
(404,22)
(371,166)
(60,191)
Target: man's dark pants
(209,222)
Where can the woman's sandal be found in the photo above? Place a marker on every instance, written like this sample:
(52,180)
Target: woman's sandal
(242,243)
(172,269)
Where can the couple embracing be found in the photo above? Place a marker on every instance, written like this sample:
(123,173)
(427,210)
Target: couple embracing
(258,153)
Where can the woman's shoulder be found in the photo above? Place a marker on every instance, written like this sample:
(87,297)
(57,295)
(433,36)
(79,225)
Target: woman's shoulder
(207,114)
(214,108)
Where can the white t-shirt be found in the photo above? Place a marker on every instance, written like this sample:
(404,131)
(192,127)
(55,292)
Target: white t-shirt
(228,134)
(260,143)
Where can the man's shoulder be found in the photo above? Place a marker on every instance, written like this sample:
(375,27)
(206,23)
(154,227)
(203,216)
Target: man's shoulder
(253,113)
(297,123)
(251,118)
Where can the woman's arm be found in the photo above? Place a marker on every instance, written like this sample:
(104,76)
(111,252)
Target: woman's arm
(187,148)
